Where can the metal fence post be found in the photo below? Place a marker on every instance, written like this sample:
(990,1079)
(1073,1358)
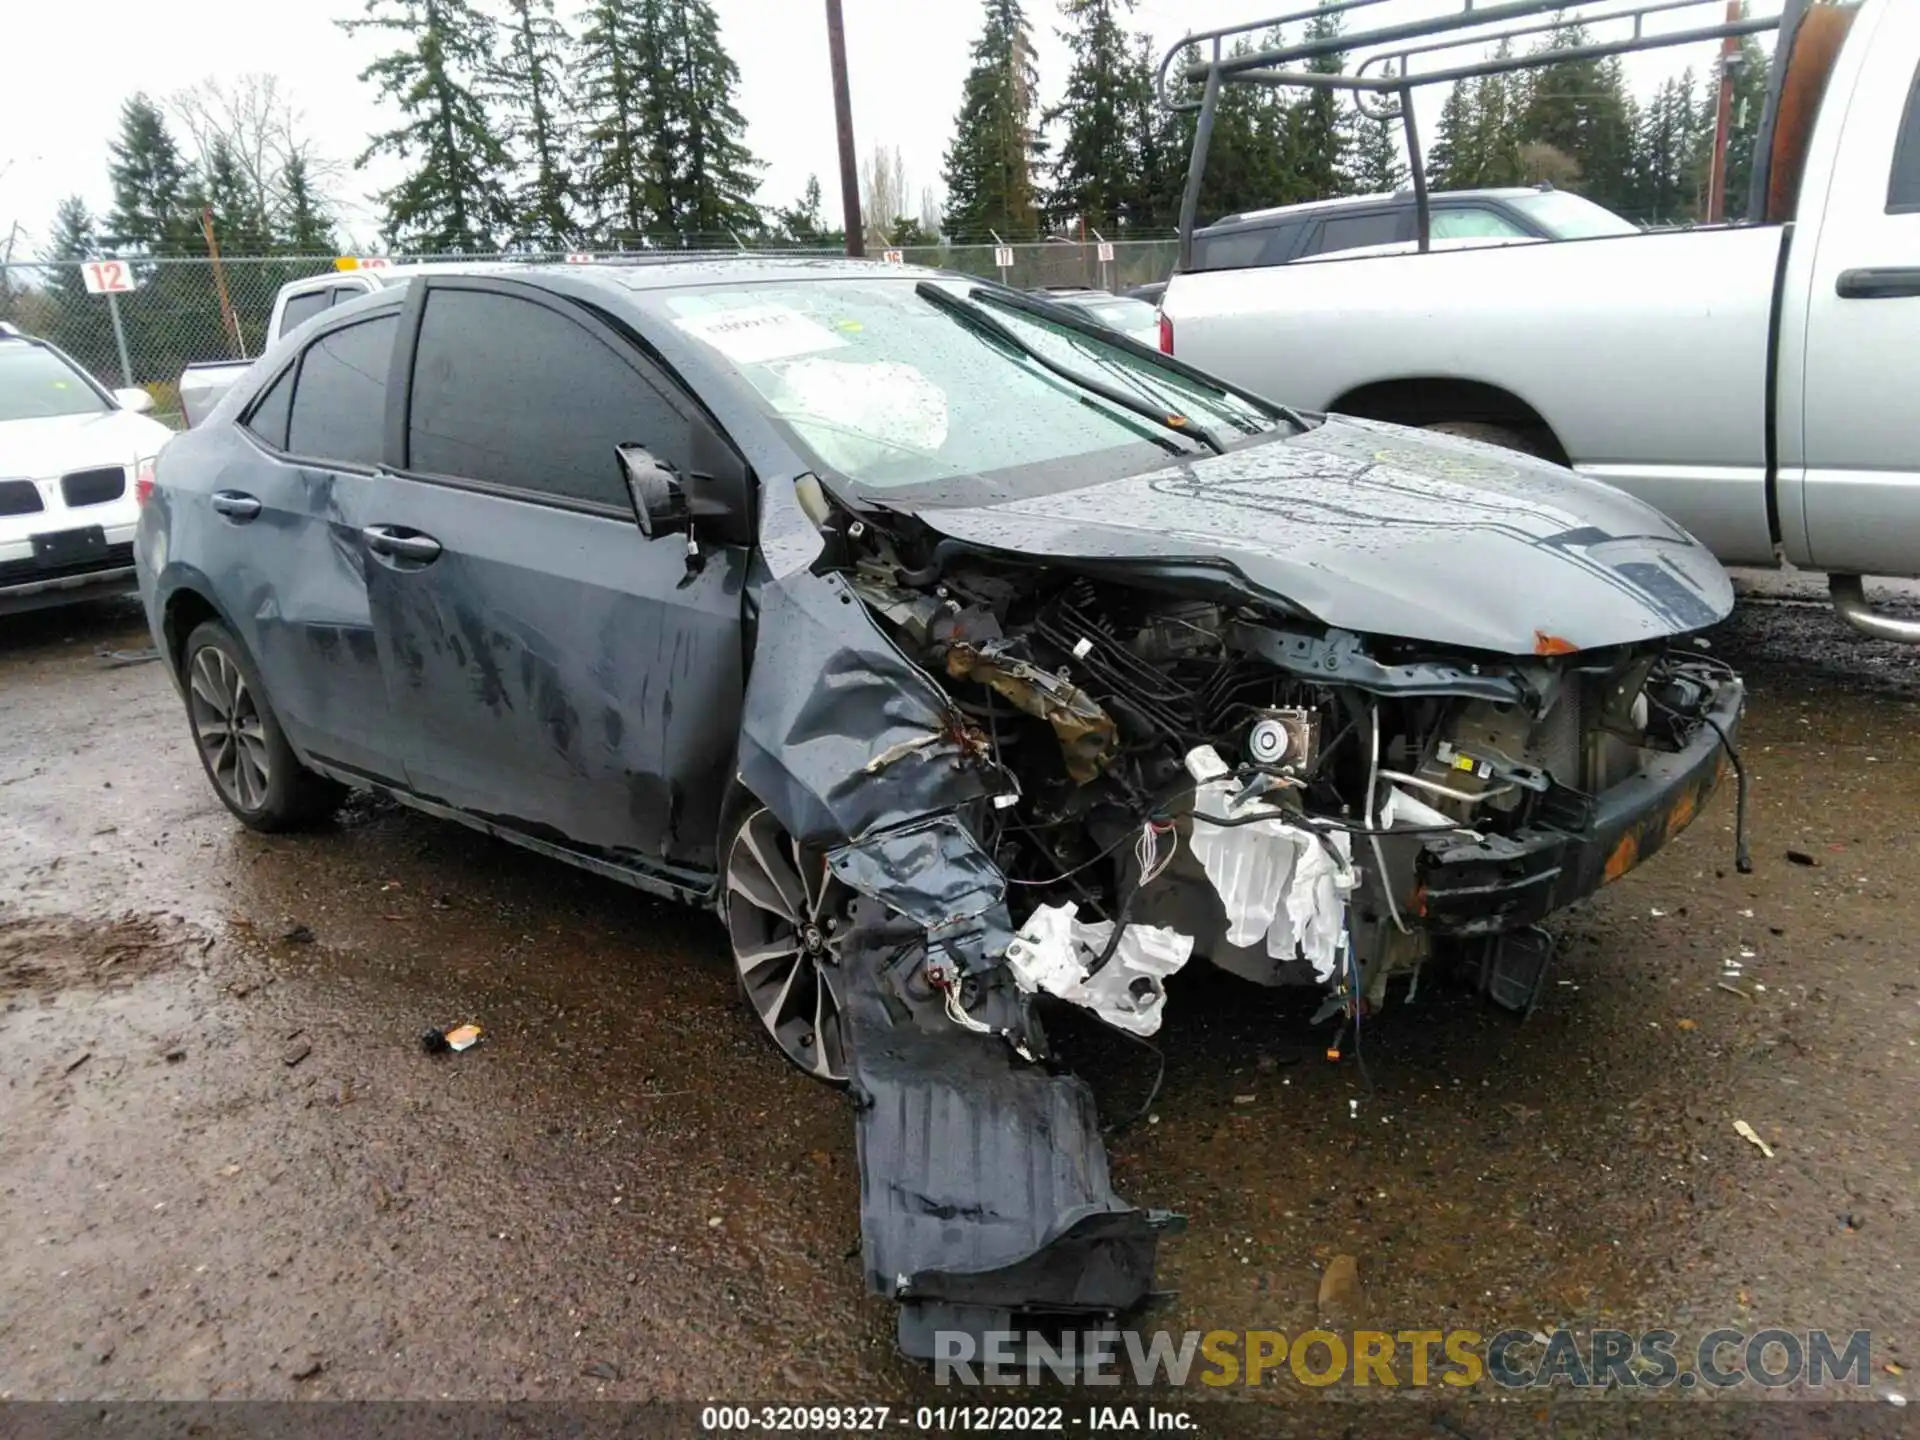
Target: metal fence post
(120,339)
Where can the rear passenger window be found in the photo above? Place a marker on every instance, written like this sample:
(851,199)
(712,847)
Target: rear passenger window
(1903,190)
(1350,232)
(1472,223)
(1229,252)
(269,417)
(511,393)
(340,398)
(303,307)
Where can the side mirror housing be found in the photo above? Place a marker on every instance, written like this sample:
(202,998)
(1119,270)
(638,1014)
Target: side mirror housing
(719,488)
(133,398)
(659,501)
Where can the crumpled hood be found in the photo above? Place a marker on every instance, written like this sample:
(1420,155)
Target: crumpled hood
(1387,531)
(54,444)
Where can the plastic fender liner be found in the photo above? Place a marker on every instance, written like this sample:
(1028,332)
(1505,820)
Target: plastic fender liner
(983,1181)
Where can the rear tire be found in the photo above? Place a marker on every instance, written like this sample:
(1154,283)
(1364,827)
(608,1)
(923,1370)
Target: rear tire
(239,740)
(1489,435)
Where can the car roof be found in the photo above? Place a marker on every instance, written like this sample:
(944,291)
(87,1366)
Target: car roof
(1357,202)
(664,272)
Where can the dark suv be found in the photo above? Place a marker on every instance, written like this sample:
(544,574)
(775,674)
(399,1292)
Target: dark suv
(958,651)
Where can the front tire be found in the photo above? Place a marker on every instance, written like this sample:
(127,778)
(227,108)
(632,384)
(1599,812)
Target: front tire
(1489,435)
(239,740)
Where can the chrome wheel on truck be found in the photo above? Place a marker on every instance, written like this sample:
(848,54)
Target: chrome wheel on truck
(786,915)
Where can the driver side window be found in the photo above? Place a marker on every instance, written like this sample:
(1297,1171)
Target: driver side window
(516,395)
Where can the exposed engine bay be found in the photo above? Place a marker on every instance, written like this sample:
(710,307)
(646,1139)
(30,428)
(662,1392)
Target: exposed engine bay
(1060,784)
(1211,780)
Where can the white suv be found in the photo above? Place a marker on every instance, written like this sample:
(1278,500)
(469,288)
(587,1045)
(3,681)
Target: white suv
(74,459)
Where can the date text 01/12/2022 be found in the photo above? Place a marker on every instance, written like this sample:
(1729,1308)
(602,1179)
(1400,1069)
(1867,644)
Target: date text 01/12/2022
(987,1419)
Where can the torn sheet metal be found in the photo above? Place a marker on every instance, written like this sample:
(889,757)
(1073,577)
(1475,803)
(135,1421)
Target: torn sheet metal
(828,696)
(1055,949)
(1274,879)
(935,873)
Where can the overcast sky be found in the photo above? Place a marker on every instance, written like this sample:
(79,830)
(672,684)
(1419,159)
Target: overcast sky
(68,71)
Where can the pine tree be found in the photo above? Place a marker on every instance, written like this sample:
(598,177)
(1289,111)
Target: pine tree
(1152,199)
(1374,166)
(301,220)
(619,73)
(239,224)
(1453,160)
(1496,108)
(711,188)
(1094,173)
(454,199)
(989,166)
(153,185)
(1317,134)
(529,89)
(1581,109)
(1749,70)
(803,223)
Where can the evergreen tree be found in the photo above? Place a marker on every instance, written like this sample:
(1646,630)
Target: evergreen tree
(621,75)
(989,166)
(239,222)
(75,238)
(529,88)
(153,190)
(1374,166)
(1497,104)
(1664,188)
(712,184)
(1749,71)
(301,221)
(1095,172)
(803,223)
(1316,132)
(1453,160)
(1581,109)
(1162,138)
(1247,155)
(454,198)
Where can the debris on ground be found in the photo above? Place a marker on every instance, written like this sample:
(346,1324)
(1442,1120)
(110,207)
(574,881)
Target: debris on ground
(1340,1293)
(309,1367)
(1752,1137)
(297,935)
(75,1061)
(1801,857)
(455,1038)
(295,1053)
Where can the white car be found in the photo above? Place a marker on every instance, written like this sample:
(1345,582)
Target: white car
(74,459)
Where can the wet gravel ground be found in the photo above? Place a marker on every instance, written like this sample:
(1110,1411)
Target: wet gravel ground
(229,1170)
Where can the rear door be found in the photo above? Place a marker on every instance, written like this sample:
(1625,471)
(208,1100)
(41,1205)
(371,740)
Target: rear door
(287,551)
(1860,295)
(1359,229)
(554,670)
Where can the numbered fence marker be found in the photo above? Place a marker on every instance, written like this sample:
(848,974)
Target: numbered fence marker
(894,257)
(109,277)
(580,257)
(1003,256)
(1105,253)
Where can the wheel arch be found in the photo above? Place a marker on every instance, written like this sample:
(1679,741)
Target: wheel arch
(1425,400)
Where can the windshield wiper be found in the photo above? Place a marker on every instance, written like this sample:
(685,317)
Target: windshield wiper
(1067,320)
(969,312)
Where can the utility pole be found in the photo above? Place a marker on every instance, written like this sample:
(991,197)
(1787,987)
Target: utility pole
(1723,122)
(843,122)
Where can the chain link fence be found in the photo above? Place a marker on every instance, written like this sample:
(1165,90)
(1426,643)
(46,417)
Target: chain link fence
(174,315)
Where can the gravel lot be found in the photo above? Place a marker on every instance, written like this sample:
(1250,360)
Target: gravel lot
(230,1170)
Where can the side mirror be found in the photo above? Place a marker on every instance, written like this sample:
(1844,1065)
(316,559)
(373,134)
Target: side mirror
(719,488)
(659,501)
(133,398)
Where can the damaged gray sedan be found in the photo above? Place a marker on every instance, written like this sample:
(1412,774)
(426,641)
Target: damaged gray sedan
(969,659)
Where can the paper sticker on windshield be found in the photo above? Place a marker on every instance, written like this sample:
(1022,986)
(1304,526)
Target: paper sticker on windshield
(754,334)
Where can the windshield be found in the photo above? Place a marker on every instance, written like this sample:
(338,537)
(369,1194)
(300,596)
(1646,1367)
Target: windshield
(36,383)
(1571,217)
(893,391)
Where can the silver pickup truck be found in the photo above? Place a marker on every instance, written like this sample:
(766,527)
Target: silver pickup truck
(1759,382)
(297,302)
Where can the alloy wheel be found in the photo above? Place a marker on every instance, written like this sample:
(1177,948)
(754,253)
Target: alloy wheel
(228,729)
(786,919)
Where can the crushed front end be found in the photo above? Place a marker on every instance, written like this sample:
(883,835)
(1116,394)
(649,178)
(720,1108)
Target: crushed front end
(1086,778)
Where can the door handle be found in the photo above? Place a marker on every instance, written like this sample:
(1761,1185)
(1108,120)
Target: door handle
(399,544)
(1899,282)
(235,505)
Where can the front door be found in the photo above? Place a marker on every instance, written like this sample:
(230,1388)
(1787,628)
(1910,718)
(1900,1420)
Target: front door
(552,669)
(1861,371)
